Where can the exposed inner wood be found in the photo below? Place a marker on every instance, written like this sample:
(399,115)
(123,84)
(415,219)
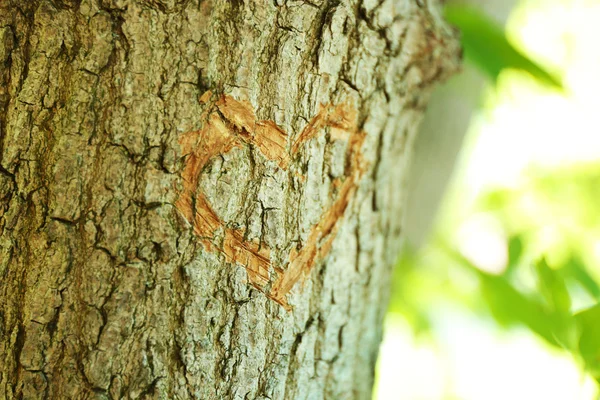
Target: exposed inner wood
(231,123)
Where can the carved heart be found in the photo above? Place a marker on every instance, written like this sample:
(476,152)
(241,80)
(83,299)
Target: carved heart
(230,123)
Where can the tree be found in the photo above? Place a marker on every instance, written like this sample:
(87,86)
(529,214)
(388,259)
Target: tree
(201,199)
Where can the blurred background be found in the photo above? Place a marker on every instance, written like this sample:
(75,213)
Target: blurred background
(496,293)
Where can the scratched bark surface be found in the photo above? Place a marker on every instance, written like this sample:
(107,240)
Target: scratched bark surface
(202,199)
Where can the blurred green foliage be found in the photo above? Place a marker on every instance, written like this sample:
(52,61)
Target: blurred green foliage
(486,45)
(549,283)
(549,226)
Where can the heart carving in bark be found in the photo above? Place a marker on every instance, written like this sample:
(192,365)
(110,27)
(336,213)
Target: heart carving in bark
(229,123)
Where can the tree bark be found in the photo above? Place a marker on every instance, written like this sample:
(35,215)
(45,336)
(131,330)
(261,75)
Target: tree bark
(201,199)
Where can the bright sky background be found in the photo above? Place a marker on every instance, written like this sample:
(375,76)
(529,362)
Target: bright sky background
(523,126)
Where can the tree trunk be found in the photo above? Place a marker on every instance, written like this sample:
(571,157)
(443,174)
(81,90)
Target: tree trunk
(201,199)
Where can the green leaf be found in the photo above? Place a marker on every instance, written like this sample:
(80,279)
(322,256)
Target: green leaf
(515,251)
(589,341)
(552,287)
(508,306)
(577,270)
(485,44)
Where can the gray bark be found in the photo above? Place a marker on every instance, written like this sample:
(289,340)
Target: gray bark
(201,199)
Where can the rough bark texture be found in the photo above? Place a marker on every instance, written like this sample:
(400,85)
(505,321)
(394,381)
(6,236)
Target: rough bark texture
(201,199)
